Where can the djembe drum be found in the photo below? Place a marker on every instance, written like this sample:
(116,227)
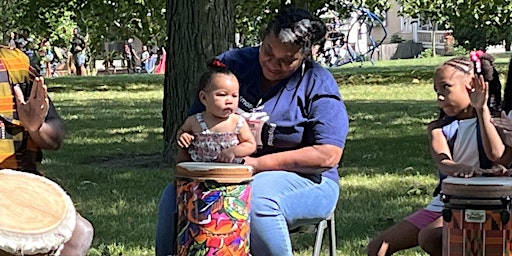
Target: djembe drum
(37,217)
(213,208)
(477,216)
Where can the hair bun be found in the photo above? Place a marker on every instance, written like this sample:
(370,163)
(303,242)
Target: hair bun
(216,63)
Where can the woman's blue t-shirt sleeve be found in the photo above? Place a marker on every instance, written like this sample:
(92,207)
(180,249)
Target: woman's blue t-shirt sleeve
(328,113)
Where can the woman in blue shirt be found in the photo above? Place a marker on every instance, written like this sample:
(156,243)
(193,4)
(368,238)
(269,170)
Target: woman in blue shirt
(300,123)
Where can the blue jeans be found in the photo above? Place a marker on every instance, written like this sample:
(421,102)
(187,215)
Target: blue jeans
(280,201)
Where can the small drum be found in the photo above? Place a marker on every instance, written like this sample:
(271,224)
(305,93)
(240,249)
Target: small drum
(37,217)
(477,216)
(213,208)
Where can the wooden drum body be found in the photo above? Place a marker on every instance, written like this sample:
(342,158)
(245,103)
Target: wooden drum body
(37,217)
(477,216)
(213,208)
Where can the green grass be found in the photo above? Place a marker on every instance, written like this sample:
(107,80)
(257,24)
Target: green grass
(111,165)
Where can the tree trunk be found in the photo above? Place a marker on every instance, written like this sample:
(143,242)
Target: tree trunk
(197,31)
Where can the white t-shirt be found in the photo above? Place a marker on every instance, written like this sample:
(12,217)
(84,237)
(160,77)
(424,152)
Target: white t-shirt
(465,149)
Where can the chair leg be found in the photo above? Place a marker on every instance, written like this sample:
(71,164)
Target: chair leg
(332,235)
(319,237)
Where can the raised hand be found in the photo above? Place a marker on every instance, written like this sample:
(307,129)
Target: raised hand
(479,92)
(32,112)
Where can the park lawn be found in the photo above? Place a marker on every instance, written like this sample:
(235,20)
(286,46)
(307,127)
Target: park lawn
(111,164)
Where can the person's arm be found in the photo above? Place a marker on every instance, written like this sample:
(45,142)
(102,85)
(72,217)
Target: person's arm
(441,154)
(245,147)
(134,53)
(39,117)
(184,135)
(309,160)
(50,135)
(493,145)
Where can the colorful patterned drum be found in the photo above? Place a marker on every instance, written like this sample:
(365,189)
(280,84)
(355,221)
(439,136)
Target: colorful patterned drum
(477,216)
(36,218)
(213,208)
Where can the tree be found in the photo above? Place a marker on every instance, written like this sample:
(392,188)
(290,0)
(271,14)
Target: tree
(477,25)
(433,11)
(198,31)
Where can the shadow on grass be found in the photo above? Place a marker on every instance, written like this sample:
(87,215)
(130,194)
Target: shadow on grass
(104,83)
(109,165)
(366,208)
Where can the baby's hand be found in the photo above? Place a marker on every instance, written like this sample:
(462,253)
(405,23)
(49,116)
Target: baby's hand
(226,156)
(185,139)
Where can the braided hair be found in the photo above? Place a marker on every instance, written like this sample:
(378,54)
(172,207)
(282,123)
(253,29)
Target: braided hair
(488,70)
(297,26)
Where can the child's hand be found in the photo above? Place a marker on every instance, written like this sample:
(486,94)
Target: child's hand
(504,125)
(185,139)
(479,93)
(468,173)
(226,156)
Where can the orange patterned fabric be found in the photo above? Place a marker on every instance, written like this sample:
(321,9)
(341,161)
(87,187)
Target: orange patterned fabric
(17,150)
(491,238)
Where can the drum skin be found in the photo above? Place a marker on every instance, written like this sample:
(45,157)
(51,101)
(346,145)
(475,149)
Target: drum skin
(37,218)
(213,208)
(477,216)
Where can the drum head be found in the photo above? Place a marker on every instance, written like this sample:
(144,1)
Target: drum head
(478,187)
(37,215)
(220,172)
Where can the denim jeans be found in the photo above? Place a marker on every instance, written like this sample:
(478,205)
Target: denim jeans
(280,201)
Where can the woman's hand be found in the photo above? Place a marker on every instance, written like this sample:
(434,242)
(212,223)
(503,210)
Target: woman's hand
(479,92)
(32,112)
(252,161)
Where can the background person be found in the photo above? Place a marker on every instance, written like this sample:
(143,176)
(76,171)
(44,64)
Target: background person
(300,124)
(78,46)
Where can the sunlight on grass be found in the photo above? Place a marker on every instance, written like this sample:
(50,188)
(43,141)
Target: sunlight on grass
(111,164)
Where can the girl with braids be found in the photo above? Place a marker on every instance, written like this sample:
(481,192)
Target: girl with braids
(216,134)
(300,123)
(463,142)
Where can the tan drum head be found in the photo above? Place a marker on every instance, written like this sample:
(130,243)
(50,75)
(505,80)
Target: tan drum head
(37,215)
(478,187)
(220,172)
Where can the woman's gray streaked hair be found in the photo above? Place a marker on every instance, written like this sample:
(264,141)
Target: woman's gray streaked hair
(297,26)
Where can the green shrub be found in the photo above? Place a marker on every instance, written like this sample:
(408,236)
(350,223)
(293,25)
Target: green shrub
(427,53)
(459,51)
(396,38)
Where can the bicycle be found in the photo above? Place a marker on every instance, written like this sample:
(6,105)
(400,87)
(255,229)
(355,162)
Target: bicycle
(367,18)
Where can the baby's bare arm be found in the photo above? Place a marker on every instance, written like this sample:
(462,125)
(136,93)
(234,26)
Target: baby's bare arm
(184,136)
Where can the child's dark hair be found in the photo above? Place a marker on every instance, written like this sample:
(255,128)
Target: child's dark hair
(296,26)
(490,74)
(215,66)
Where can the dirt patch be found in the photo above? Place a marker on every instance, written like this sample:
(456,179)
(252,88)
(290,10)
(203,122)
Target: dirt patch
(140,161)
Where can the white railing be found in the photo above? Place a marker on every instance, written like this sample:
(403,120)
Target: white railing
(425,37)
